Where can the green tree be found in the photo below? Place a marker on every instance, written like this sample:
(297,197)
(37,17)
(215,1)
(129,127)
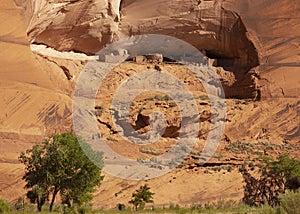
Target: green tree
(59,166)
(141,197)
(276,177)
(285,166)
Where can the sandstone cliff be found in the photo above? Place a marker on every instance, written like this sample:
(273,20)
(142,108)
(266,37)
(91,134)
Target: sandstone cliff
(87,26)
(240,34)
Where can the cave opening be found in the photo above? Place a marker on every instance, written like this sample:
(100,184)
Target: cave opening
(227,63)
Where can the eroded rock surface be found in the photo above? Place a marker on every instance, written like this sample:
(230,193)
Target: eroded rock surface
(73,25)
(239,34)
(87,26)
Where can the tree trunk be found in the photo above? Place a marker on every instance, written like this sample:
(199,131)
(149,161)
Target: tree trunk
(40,203)
(53,199)
(39,207)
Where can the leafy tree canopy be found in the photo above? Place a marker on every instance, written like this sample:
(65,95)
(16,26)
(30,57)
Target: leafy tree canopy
(59,166)
(276,177)
(288,167)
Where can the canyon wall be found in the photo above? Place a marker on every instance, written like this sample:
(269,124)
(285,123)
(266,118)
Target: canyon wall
(87,26)
(240,34)
(273,27)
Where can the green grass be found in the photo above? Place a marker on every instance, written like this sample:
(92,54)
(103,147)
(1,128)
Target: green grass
(210,208)
(290,205)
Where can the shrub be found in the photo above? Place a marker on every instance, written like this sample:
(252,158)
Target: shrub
(229,168)
(244,102)
(267,209)
(87,208)
(111,139)
(172,104)
(99,110)
(290,202)
(141,196)
(69,210)
(162,98)
(19,205)
(203,97)
(174,207)
(4,206)
(150,151)
(121,207)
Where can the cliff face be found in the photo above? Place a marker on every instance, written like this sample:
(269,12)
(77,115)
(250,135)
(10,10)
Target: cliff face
(83,26)
(29,86)
(240,34)
(274,29)
(207,25)
(87,26)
